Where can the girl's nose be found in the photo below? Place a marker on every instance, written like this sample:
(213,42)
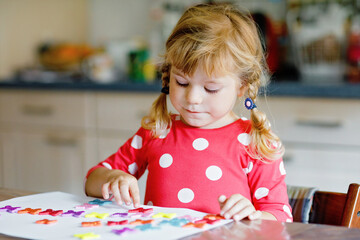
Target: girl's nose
(193,95)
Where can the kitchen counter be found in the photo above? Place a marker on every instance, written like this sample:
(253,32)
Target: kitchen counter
(283,88)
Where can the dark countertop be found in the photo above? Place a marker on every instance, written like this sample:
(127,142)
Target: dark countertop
(283,88)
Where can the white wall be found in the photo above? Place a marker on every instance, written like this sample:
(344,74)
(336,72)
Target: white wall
(118,19)
(25,24)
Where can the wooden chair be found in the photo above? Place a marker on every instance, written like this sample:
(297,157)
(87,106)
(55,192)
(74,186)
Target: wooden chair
(342,209)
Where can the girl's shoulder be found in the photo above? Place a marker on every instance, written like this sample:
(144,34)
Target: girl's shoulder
(245,124)
(144,133)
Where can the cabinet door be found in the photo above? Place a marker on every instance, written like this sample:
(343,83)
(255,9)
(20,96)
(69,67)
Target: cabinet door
(7,157)
(327,169)
(47,161)
(123,111)
(1,159)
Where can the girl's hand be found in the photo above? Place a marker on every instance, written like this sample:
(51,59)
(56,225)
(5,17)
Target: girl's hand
(238,208)
(122,186)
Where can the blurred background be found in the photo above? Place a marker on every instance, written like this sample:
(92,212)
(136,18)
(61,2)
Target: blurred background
(76,76)
(112,40)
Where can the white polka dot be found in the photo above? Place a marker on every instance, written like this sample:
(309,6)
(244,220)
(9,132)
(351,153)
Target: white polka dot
(164,134)
(200,144)
(136,142)
(249,168)
(107,165)
(287,210)
(213,173)
(177,117)
(289,220)
(132,168)
(166,160)
(186,195)
(261,192)
(150,203)
(282,168)
(244,118)
(244,138)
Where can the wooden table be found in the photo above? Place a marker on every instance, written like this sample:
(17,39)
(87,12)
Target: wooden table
(248,229)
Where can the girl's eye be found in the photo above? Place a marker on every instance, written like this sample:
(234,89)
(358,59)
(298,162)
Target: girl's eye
(212,91)
(182,84)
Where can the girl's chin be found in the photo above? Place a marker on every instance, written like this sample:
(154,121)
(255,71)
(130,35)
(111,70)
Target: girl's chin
(194,122)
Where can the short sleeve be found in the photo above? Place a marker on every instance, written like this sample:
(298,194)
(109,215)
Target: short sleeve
(129,157)
(268,188)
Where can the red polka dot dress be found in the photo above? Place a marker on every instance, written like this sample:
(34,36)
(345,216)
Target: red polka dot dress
(191,167)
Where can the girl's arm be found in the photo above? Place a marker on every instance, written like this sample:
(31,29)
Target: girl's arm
(102,182)
(118,174)
(268,188)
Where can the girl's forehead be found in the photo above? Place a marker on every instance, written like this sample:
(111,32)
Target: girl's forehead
(215,73)
(201,73)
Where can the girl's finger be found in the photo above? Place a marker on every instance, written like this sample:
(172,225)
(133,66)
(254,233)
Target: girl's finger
(222,200)
(229,203)
(135,194)
(105,190)
(243,213)
(255,215)
(116,193)
(236,208)
(124,191)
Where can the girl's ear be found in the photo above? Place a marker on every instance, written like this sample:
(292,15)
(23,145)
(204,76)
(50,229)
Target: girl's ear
(241,91)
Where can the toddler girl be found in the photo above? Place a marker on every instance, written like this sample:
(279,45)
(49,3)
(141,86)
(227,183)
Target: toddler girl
(205,158)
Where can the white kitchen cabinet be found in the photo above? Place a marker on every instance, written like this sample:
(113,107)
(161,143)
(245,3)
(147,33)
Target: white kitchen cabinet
(7,155)
(47,161)
(1,160)
(2,147)
(47,137)
(321,139)
(47,108)
(327,169)
(122,111)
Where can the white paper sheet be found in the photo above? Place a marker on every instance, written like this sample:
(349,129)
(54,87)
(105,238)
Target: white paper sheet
(24,226)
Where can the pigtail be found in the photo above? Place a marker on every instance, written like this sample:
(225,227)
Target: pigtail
(159,118)
(264,145)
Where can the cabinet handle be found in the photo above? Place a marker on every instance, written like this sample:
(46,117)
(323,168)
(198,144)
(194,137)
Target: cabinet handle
(37,110)
(319,123)
(61,141)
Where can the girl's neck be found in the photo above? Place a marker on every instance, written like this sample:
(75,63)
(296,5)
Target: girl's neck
(229,119)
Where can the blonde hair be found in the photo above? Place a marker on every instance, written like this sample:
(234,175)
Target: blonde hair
(222,40)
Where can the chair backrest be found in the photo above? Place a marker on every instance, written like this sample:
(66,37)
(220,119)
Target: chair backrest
(342,209)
